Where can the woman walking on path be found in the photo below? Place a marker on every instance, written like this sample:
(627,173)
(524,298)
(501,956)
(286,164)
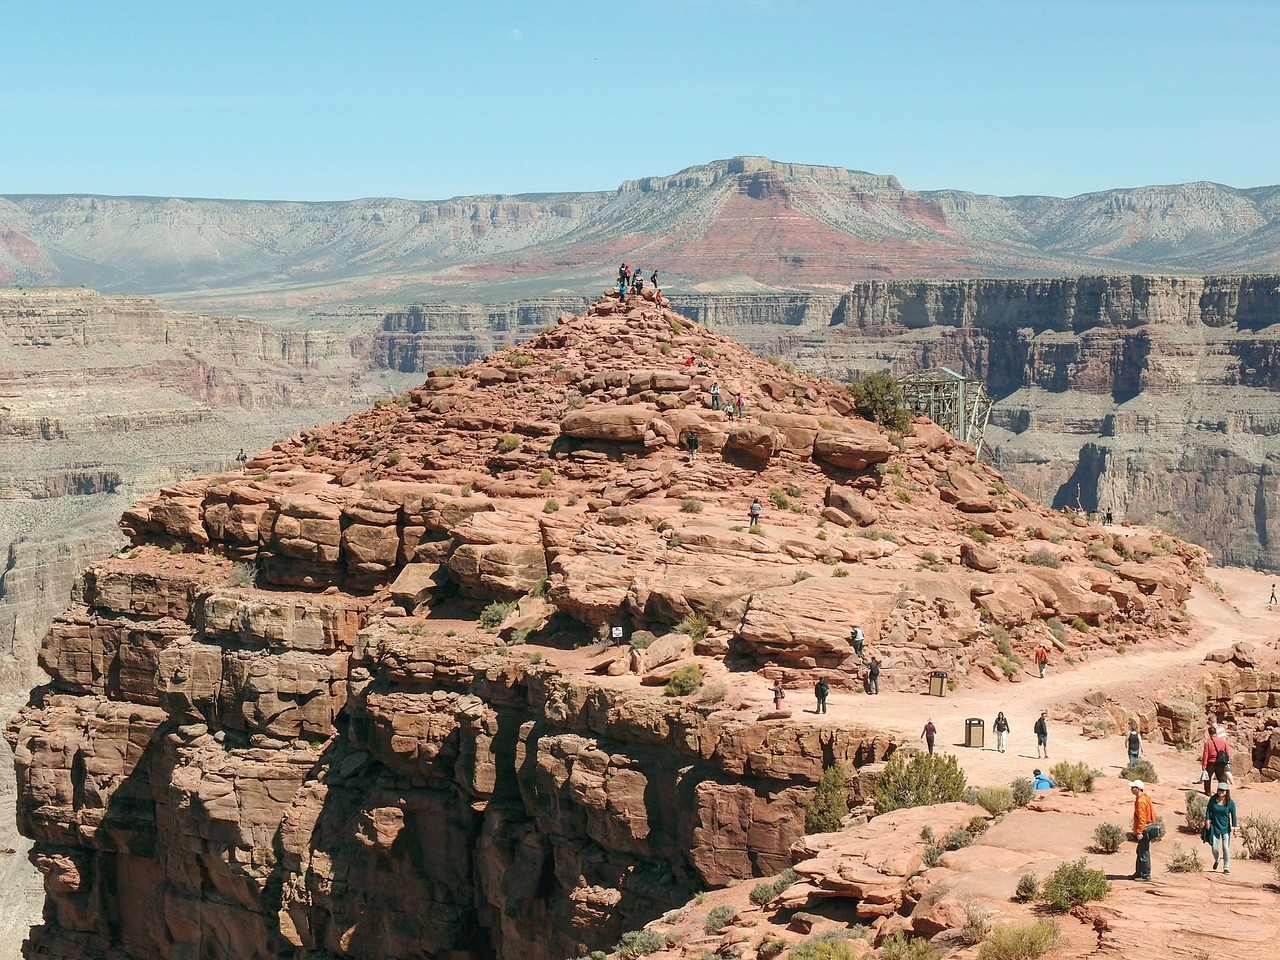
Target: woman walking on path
(1220,821)
(777,694)
(1001,727)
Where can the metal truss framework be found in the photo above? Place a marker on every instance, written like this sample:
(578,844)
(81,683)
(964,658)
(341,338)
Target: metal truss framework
(958,404)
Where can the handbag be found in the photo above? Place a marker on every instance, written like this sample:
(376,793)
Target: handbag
(1205,836)
(1204,775)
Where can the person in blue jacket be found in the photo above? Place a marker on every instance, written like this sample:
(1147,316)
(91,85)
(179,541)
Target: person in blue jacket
(1042,782)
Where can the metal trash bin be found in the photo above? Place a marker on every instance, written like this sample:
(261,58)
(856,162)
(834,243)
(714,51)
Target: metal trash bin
(938,683)
(975,734)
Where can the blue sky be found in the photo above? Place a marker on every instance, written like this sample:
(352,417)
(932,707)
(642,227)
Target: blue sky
(428,100)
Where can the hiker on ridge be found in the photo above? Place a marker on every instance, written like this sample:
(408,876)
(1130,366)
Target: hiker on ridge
(857,639)
(873,677)
(1042,658)
(691,441)
(715,396)
(1001,727)
(1144,829)
(820,693)
(778,694)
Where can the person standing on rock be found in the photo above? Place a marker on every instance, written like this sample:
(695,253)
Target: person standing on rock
(820,693)
(242,458)
(691,441)
(1042,735)
(715,396)
(777,694)
(1219,821)
(928,735)
(1272,601)
(1144,828)
(1042,658)
(1001,727)
(654,279)
(741,404)
(753,511)
(857,639)
(1135,743)
(873,677)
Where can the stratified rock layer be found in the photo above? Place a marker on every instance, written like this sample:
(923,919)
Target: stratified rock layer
(258,741)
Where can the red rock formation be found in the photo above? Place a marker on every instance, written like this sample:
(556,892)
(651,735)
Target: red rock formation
(257,738)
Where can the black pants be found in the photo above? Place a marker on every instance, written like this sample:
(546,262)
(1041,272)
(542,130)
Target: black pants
(1142,868)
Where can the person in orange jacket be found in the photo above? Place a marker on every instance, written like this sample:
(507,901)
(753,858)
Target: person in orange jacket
(1144,828)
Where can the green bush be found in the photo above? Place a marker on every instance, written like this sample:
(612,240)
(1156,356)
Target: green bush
(1024,791)
(1140,770)
(900,947)
(878,397)
(919,780)
(977,923)
(719,917)
(1261,834)
(1044,557)
(641,639)
(640,943)
(695,625)
(979,535)
(956,838)
(779,498)
(1197,807)
(1107,837)
(829,803)
(995,800)
(1020,941)
(546,478)
(684,681)
(691,505)
(932,856)
(829,945)
(762,893)
(496,612)
(1057,629)
(1182,861)
(508,443)
(1073,775)
(794,490)
(519,360)
(551,506)
(1028,887)
(1074,883)
(978,825)
(785,880)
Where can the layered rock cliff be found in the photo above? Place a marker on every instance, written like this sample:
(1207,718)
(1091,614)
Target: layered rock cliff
(274,725)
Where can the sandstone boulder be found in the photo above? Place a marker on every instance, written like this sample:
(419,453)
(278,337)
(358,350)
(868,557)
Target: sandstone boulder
(624,424)
(858,445)
(757,441)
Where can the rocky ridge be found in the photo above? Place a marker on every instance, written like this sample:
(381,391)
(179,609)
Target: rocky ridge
(278,709)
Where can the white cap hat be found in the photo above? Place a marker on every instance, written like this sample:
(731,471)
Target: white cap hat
(1138,783)
(1222,786)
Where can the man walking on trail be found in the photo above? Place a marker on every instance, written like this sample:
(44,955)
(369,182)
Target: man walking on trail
(873,677)
(1135,743)
(691,441)
(930,731)
(1042,734)
(1272,601)
(1215,759)
(1144,828)
(1042,658)
(820,691)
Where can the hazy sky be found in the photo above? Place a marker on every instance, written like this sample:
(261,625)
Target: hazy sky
(427,100)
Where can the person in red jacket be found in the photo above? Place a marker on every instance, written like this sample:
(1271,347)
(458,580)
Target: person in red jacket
(1215,759)
(1144,827)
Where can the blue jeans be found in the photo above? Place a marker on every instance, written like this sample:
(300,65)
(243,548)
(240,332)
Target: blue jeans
(1133,756)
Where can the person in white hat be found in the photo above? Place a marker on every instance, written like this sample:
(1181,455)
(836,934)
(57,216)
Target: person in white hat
(1144,827)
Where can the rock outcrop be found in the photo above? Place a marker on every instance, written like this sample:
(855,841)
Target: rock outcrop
(274,725)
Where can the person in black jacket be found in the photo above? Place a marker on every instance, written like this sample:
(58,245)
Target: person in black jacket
(1001,727)
(1042,734)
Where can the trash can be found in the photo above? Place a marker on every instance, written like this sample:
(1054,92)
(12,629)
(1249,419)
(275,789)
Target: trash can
(938,683)
(974,732)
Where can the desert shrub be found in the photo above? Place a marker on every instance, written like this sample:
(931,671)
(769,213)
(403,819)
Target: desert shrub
(1028,887)
(762,893)
(707,353)
(719,917)
(794,490)
(1057,629)
(392,458)
(1261,834)
(978,535)
(640,639)
(901,947)
(977,923)
(551,506)
(1044,557)
(640,943)
(1080,623)
(1074,883)
(919,780)
(878,397)
(1024,791)
(508,443)
(978,825)
(495,613)
(1073,775)
(779,498)
(840,572)
(684,681)
(546,478)
(1000,637)
(691,505)
(1197,806)
(829,945)
(829,803)
(465,490)
(695,625)
(995,800)
(785,880)
(932,856)
(243,574)
(1006,665)
(519,360)
(1182,861)
(756,529)
(1019,941)
(1107,837)
(801,575)
(956,838)
(1140,770)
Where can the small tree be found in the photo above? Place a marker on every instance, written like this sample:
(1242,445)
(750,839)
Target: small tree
(919,780)
(878,397)
(684,681)
(829,803)
(1074,883)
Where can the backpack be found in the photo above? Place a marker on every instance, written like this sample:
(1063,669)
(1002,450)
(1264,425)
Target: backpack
(1223,755)
(1134,741)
